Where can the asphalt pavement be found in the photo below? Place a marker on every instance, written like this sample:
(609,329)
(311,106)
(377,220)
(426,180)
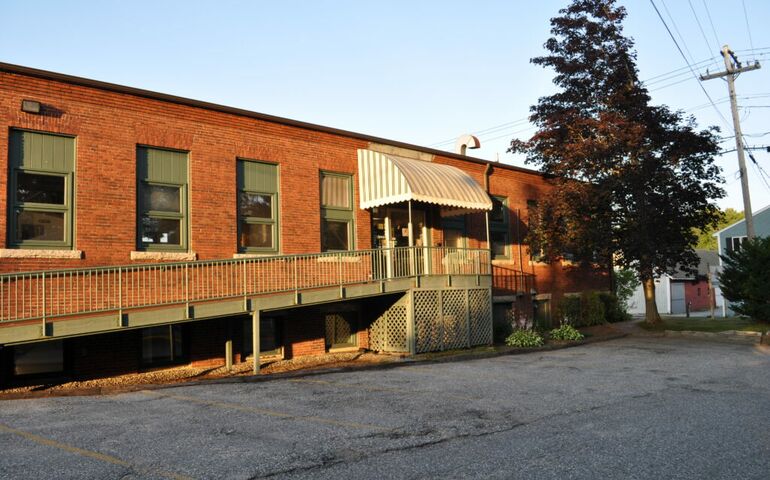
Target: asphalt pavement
(637,407)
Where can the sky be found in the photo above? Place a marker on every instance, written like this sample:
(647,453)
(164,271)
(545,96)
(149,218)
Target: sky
(421,72)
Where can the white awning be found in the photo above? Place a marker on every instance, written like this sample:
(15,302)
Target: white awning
(385,179)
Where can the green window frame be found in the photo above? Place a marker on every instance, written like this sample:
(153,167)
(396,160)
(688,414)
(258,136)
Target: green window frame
(499,229)
(41,190)
(162,190)
(341,329)
(164,345)
(337,215)
(258,207)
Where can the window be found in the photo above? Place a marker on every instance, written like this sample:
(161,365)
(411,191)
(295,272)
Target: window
(162,191)
(341,329)
(40,190)
(38,358)
(162,345)
(270,336)
(336,211)
(454,231)
(499,227)
(257,207)
(734,243)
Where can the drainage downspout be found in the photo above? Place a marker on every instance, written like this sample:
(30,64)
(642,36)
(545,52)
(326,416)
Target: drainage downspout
(487,172)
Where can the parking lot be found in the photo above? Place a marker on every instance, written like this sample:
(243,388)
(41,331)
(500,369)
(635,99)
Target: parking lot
(637,407)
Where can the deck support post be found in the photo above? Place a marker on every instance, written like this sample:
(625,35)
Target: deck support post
(255,339)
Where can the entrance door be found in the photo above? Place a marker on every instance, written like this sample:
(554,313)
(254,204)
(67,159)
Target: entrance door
(405,261)
(677,298)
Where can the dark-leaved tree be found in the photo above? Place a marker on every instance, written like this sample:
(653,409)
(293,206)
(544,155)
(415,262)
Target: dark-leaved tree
(745,278)
(633,180)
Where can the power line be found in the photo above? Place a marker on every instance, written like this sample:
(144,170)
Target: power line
(676,29)
(688,63)
(713,30)
(748,28)
(703,34)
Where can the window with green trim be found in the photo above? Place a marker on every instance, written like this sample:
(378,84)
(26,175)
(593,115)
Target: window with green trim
(337,224)
(499,227)
(162,192)
(257,207)
(163,345)
(40,190)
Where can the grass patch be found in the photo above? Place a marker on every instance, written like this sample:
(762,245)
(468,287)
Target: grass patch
(705,324)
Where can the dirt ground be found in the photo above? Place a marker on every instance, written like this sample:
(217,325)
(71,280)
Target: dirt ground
(187,373)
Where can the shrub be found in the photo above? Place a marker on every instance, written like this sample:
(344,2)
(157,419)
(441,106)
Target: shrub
(524,338)
(613,308)
(582,311)
(746,276)
(568,310)
(566,332)
(626,282)
(592,309)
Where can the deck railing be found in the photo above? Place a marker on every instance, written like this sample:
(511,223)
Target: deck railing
(58,293)
(508,281)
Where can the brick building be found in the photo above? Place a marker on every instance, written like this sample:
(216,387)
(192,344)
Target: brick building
(139,229)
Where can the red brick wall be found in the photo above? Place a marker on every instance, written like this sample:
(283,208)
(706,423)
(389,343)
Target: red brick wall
(110,125)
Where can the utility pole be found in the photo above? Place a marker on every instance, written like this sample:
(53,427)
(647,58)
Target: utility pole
(732,69)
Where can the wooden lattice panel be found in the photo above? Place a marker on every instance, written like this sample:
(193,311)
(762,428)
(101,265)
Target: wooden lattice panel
(455,328)
(388,332)
(480,310)
(427,322)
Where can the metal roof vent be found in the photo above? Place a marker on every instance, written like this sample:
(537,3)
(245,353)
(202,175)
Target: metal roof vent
(464,142)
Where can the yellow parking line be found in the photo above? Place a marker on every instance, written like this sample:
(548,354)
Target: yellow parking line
(89,453)
(264,411)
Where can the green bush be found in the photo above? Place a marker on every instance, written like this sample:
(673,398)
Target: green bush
(524,338)
(592,309)
(568,310)
(613,308)
(566,332)
(581,311)
(745,278)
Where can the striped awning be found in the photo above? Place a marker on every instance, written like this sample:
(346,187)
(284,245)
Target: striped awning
(385,179)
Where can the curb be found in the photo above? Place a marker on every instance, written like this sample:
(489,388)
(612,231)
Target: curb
(727,336)
(460,357)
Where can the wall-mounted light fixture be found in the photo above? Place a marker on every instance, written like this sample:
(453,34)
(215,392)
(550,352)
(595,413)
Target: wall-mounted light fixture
(30,106)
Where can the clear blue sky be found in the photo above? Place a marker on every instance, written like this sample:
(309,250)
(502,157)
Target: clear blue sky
(420,72)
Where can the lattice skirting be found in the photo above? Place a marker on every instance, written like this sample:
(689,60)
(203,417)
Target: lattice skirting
(451,318)
(388,333)
(435,320)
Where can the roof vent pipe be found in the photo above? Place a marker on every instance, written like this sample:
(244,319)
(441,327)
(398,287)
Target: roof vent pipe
(464,142)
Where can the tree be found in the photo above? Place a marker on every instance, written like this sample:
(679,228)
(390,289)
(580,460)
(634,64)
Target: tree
(745,277)
(706,239)
(632,180)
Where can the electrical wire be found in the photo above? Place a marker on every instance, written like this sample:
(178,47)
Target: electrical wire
(713,30)
(676,29)
(703,33)
(748,28)
(688,63)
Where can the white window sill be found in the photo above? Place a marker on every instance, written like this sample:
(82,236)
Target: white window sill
(162,256)
(255,255)
(342,258)
(40,253)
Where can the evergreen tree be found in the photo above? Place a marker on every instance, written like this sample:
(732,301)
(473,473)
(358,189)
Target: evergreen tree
(633,180)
